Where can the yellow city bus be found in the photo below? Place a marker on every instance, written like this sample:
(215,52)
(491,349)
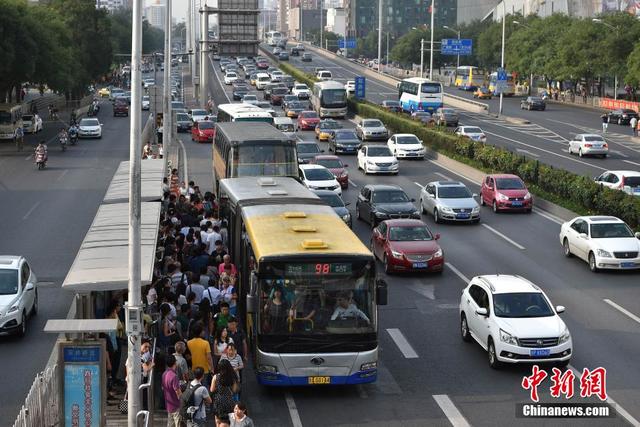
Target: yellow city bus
(288,242)
(469,77)
(10,114)
(510,89)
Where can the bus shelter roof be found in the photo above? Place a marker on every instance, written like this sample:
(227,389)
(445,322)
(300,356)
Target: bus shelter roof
(151,174)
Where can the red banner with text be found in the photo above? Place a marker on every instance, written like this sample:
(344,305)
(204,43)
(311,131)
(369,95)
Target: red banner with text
(614,104)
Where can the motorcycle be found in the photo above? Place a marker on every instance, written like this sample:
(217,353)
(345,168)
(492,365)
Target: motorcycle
(63,143)
(41,160)
(73,137)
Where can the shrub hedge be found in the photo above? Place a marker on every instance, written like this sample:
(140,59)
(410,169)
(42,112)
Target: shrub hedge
(300,76)
(572,191)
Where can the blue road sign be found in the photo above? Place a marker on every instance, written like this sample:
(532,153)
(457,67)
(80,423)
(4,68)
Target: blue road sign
(360,87)
(502,74)
(456,47)
(350,44)
(501,80)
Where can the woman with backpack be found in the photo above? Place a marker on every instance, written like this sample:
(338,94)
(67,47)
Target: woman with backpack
(223,387)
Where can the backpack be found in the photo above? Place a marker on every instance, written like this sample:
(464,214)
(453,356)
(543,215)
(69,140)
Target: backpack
(187,402)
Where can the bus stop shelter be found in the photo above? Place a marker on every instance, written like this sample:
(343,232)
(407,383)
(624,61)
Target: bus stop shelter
(152,172)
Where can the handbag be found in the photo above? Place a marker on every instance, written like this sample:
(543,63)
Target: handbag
(123,405)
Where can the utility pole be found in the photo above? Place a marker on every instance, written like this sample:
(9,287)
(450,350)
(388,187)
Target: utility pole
(166,112)
(204,50)
(188,25)
(421,57)
(379,36)
(433,12)
(321,25)
(504,20)
(134,300)
(387,61)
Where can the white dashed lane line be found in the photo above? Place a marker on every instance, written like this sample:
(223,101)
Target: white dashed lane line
(405,348)
(499,234)
(453,414)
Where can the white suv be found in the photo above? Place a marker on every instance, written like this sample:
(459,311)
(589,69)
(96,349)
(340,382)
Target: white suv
(514,321)
(18,294)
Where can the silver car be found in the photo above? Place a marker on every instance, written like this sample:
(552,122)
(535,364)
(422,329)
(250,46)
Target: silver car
(371,129)
(449,201)
(586,144)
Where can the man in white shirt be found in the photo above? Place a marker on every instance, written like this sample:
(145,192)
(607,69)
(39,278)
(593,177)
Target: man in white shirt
(197,289)
(212,294)
(212,238)
(347,310)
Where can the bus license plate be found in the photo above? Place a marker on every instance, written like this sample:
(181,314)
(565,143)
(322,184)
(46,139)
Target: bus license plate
(543,352)
(319,380)
(420,265)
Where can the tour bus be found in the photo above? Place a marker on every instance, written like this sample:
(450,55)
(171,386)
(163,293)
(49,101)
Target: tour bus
(329,99)
(418,94)
(10,113)
(273,37)
(242,113)
(510,88)
(252,149)
(288,246)
(469,77)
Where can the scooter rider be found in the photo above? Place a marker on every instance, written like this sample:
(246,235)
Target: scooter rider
(63,137)
(41,151)
(73,134)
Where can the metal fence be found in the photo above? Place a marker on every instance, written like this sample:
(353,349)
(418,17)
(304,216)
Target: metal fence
(40,408)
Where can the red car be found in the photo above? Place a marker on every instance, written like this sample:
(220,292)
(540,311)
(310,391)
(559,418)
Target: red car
(335,165)
(407,245)
(308,120)
(262,65)
(203,131)
(505,192)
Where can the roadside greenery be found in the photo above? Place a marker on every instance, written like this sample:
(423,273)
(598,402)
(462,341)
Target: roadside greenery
(308,79)
(575,192)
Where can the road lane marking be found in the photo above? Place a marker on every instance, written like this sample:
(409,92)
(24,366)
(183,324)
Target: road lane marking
(33,208)
(418,184)
(520,150)
(619,153)
(548,216)
(427,291)
(455,173)
(353,183)
(622,310)
(453,414)
(407,351)
(457,272)
(29,157)
(441,175)
(64,172)
(293,410)
(497,233)
(632,163)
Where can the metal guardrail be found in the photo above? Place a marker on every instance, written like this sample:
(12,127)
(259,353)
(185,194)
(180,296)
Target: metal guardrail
(40,408)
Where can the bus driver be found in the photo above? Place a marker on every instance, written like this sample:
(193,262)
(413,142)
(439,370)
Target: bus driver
(347,310)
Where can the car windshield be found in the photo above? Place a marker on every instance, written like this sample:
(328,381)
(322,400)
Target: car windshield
(330,163)
(521,304)
(454,192)
(295,105)
(198,112)
(409,234)
(372,123)
(182,117)
(331,124)
(308,148)
(318,174)
(408,140)
(27,118)
(309,115)
(448,111)
(301,87)
(346,135)
(390,196)
(8,282)
(279,91)
(472,130)
(145,98)
(89,122)
(535,99)
(232,75)
(205,125)
(250,98)
(610,230)
(509,184)
(594,138)
(332,200)
(379,152)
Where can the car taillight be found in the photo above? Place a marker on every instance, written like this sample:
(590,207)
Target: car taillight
(605,145)
(588,145)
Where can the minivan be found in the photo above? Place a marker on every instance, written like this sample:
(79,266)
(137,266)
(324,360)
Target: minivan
(324,75)
(262,79)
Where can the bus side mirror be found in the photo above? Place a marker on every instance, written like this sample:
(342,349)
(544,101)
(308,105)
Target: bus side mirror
(381,292)
(252,302)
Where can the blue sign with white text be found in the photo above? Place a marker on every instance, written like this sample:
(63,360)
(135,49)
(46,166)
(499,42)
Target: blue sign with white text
(82,395)
(360,87)
(349,44)
(502,74)
(456,46)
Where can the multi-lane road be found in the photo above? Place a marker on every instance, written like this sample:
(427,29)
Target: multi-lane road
(427,375)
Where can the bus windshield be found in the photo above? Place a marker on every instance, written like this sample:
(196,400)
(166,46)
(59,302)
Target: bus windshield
(334,98)
(258,158)
(5,118)
(317,298)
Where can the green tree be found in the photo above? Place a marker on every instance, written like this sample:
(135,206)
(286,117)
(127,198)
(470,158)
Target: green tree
(329,39)
(406,49)
(633,67)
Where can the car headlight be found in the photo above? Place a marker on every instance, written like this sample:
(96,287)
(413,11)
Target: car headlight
(502,197)
(476,209)
(380,214)
(438,254)
(13,309)
(268,369)
(508,338)
(446,209)
(397,255)
(370,163)
(369,366)
(527,196)
(346,217)
(604,254)
(564,337)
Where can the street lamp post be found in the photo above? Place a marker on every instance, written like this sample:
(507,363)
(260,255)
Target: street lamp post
(379,36)
(617,30)
(530,74)
(504,16)
(433,12)
(321,25)
(457,32)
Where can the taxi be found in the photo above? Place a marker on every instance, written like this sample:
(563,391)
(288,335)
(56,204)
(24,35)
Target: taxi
(104,92)
(482,93)
(325,129)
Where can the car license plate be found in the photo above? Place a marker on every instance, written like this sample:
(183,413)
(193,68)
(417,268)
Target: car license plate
(538,353)
(462,215)
(516,203)
(412,154)
(420,265)
(349,149)
(627,264)
(319,380)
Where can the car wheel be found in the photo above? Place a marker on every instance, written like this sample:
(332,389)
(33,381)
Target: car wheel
(495,206)
(464,329)
(34,309)
(482,201)
(493,358)
(436,216)
(387,267)
(580,153)
(566,248)
(604,156)
(23,326)
(592,263)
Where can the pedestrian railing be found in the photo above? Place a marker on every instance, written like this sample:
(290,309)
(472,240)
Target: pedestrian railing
(148,387)
(40,408)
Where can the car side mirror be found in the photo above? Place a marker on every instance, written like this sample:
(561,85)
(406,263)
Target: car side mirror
(437,236)
(637,235)
(382,292)
(346,166)
(29,286)
(431,195)
(481,311)
(583,236)
(560,309)
(322,151)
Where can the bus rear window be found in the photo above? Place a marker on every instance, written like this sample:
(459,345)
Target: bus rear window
(430,88)
(5,117)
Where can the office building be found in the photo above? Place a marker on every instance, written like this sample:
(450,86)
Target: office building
(336,21)
(155,14)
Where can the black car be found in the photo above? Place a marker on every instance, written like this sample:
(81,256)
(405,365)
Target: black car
(622,116)
(344,141)
(283,56)
(377,202)
(295,51)
(239,92)
(288,81)
(533,103)
(307,150)
(183,122)
(306,57)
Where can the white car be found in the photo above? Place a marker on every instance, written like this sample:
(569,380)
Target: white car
(250,99)
(605,242)
(471,132)
(514,321)
(18,294)
(301,90)
(377,159)
(262,80)
(627,181)
(317,177)
(350,87)
(89,128)
(31,123)
(324,75)
(276,76)
(586,144)
(146,102)
(230,77)
(406,145)
(198,115)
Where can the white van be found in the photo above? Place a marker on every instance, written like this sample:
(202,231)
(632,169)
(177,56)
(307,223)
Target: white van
(286,126)
(262,79)
(324,75)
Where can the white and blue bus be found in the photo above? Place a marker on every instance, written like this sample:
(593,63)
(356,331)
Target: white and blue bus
(418,94)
